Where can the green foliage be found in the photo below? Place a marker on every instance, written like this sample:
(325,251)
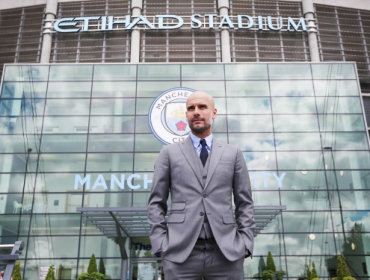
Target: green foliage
(334,278)
(314,272)
(51,274)
(91,276)
(349,278)
(279,275)
(101,266)
(268,275)
(92,265)
(342,268)
(270,263)
(308,272)
(17,271)
(315,278)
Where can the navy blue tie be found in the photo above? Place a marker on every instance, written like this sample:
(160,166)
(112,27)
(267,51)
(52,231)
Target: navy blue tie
(203,151)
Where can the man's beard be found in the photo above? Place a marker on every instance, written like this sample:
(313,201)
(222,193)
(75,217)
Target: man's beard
(199,129)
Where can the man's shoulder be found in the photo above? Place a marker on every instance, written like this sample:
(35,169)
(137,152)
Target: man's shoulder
(227,146)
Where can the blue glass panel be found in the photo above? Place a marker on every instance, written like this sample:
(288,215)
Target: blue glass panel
(202,72)
(246,71)
(23,90)
(333,71)
(115,72)
(26,73)
(71,72)
(290,71)
(158,72)
(291,88)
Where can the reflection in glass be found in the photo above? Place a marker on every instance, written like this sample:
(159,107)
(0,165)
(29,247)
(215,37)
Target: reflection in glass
(66,72)
(56,202)
(14,225)
(153,89)
(350,200)
(346,160)
(57,182)
(49,224)
(297,123)
(67,107)
(341,122)
(113,89)
(289,71)
(345,141)
(300,244)
(297,263)
(246,72)
(109,162)
(216,88)
(145,161)
(114,72)
(202,72)
(111,124)
(265,198)
(66,268)
(336,88)
(220,105)
(61,162)
(305,200)
(158,72)
(56,247)
(63,143)
(142,125)
(21,125)
(248,106)
(260,160)
(249,123)
(299,160)
(143,105)
(16,203)
(113,106)
(17,163)
(358,220)
(254,267)
(247,88)
(252,141)
(333,71)
(121,199)
(111,143)
(26,73)
(291,88)
(19,143)
(266,180)
(307,222)
(22,107)
(65,124)
(11,182)
(219,124)
(293,105)
(147,143)
(112,266)
(297,141)
(269,242)
(338,105)
(24,90)
(348,179)
(303,180)
(69,90)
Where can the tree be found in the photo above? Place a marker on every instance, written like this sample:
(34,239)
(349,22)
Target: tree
(92,265)
(91,276)
(101,266)
(308,272)
(342,268)
(270,263)
(17,275)
(50,275)
(314,272)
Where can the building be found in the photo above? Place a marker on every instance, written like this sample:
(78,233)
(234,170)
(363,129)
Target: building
(80,125)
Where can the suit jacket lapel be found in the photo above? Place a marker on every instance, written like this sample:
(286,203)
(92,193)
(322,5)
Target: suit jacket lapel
(187,149)
(217,150)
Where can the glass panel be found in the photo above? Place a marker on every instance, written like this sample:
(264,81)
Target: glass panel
(141,248)
(323,263)
(14,225)
(143,105)
(63,143)
(342,123)
(56,247)
(220,105)
(305,180)
(16,203)
(121,199)
(57,203)
(266,180)
(247,88)
(333,71)
(18,107)
(338,105)
(291,88)
(352,220)
(248,106)
(65,268)
(253,141)
(302,245)
(101,246)
(153,89)
(348,179)
(305,200)
(220,137)
(290,71)
(109,162)
(297,123)
(202,72)
(260,160)
(147,143)
(300,160)
(249,123)
(112,267)
(336,88)
(24,90)
(159,72)
(265,198)
(293,105)
(144,270)
(307,222)
(65,125)
(67,107)
(142,125)
(69,90)
(269,242)
(111,143)
(62,162)
(113,89)
(70,72)
(216,88)
(297,141)
(246,71)
(347,160)
(345,141)
(254,267)
(145,161)
(141,199)
(350,200)
(219,124)
(49,224)
(114,72)
(21,125)
(110,124)
(58,182)
(19,143)
(11,182)
(17,163)
(26,73)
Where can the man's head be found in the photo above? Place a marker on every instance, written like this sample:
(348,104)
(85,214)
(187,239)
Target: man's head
(200,112)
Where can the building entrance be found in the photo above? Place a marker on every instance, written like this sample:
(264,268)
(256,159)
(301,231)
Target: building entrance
(146,269)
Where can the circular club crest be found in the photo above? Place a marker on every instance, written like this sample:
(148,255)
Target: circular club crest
(167,118)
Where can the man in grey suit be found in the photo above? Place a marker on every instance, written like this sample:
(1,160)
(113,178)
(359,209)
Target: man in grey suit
(201,238)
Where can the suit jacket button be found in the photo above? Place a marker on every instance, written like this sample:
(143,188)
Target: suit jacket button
(201,214)
(204,177)
(204,195)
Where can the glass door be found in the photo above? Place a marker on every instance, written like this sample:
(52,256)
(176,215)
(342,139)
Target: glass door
(144,270)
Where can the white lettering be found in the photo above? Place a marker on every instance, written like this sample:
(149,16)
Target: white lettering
(85,180)
(129,181)
(114,180)
(146,181)
(100,182)
(279,179)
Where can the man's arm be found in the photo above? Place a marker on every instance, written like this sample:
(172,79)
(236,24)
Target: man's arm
(157,204)
(244,209)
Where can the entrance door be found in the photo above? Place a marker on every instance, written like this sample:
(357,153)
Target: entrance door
(146,270)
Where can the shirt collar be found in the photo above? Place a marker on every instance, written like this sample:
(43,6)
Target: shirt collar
(196,140)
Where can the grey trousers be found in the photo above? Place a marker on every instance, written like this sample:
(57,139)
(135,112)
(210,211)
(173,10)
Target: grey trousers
(207,262)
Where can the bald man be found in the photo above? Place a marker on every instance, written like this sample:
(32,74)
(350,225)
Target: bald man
(201,238)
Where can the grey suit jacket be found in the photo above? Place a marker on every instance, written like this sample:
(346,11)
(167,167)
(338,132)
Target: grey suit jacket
(176,172)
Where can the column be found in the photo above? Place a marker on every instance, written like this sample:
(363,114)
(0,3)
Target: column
(308,12)
(136,7)
(223,8)
(51,11)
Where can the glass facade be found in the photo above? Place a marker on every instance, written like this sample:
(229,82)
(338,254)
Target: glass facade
(74,135)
